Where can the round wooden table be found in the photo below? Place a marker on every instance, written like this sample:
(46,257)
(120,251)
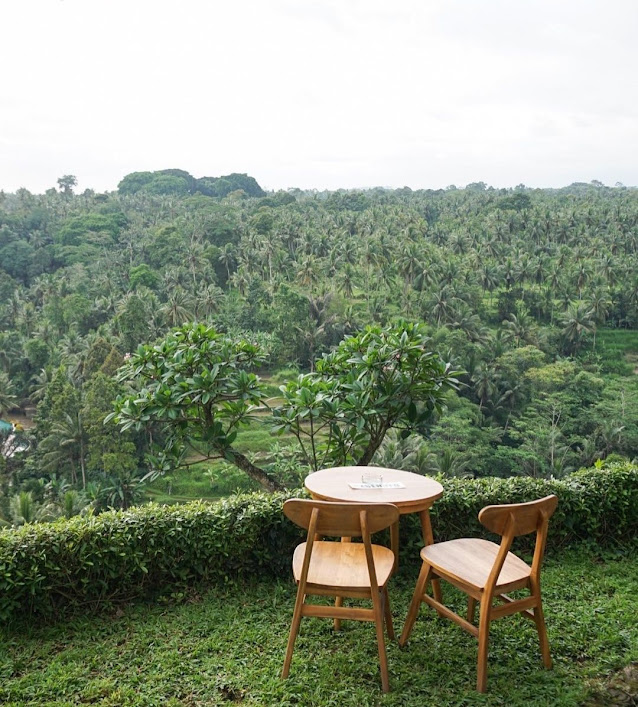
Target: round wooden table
(417,496)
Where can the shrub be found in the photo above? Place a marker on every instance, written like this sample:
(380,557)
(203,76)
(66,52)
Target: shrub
(118,556)
(595,505)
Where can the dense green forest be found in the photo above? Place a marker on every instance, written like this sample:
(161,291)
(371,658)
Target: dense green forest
(531,295)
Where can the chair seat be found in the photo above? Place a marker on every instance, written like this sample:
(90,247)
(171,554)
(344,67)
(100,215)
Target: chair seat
(343,564)
(470,561)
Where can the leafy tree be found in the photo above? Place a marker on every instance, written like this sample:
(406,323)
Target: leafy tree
(76,229)
(167,184)
(381,379)
(108,449)
(195,388)
(133,182)
(143,275)
(66,184)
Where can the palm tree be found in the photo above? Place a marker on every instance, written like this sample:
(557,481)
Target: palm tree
(66,443)
(441,305)
(308,274)
(510,273)
(599,303)
(488,277)
(177,309)
(208,301)
(485,384)
(195,259)
(610,434)
(22,508)
(520,329)
(582,276)
(577,322)
(7,398)
(39,381)
(451,463)
(228,258)
(346,281)
(10,350)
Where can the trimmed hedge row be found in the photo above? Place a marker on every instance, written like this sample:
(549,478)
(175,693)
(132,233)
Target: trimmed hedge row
(597,506)
(118,556)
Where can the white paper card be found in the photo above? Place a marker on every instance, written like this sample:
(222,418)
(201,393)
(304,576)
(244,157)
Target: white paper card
(384,485)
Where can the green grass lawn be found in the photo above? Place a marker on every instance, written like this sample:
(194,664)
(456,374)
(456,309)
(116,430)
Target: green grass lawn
(227,646)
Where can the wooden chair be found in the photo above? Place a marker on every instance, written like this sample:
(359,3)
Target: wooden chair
(485,570)
(358,570)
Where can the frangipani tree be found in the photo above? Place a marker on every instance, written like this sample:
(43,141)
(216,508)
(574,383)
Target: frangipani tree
(195,389)
(375,381)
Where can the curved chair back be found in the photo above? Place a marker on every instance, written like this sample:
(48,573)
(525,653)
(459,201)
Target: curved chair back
(341,519)
(525,518)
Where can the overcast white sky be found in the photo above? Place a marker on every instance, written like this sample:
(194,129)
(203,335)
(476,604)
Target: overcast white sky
(320,93)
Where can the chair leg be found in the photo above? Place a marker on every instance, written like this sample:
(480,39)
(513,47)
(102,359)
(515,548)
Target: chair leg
(483,640)
(388,614)
(383,658)
(419,590)
(539,620)
(294,630)
(471,607)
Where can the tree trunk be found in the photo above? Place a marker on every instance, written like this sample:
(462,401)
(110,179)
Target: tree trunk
(259,475)
(373,445)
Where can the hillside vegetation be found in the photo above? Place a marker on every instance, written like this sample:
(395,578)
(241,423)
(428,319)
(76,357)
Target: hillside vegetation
(531,294)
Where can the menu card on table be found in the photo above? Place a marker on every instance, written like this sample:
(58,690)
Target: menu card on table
(378,485)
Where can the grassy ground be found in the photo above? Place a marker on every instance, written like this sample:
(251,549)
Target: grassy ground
(618,350)
(228,646)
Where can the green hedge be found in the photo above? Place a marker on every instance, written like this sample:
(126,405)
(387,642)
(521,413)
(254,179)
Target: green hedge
(598,505)
(117,556)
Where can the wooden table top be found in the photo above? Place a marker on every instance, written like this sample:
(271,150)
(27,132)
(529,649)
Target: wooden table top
(419,493)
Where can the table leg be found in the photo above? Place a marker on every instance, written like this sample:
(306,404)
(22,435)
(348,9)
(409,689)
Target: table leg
(394,544)
(339,600)
(428,538)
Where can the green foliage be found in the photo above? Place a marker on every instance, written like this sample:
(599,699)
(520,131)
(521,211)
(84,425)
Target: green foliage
(163,182)
(109,450)
(77,228)
(178,182)
(167,184)
(517,201)
(381,379)
(197,386)
(122,555)
(308,268)
(66,184)
(222,186)
(16,258)
(132,183)
(597,506)
(142,275)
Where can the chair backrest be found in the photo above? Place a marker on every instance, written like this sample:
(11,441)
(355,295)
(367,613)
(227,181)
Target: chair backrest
(341,519)
(518,518)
